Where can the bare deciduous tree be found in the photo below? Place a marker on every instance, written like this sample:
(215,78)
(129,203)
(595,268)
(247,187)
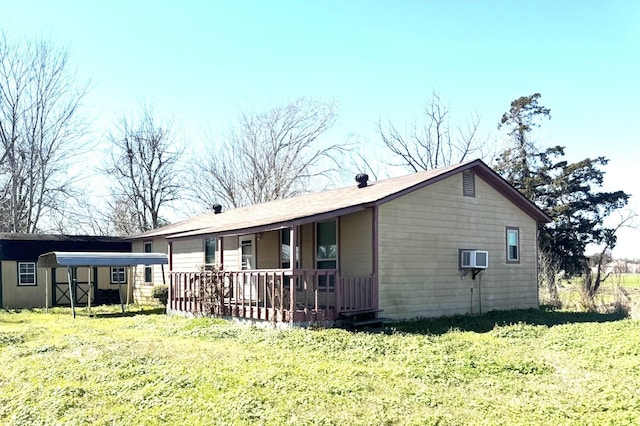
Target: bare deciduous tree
(40,126)
(144,169)
(270,155)
(599,260)
(430,144)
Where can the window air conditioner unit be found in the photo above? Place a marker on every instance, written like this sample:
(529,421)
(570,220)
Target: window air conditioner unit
(474,259)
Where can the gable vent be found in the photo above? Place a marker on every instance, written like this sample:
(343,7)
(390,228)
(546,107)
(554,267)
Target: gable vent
(468,184)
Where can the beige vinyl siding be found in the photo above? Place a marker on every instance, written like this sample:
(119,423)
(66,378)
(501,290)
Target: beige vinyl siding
(187,255)
(268,250)
(141,290)
(15,296)
(230,253)
(355,244)
(419,237)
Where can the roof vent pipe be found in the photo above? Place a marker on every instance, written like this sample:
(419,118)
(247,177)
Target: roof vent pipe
(217,208)
(362,179)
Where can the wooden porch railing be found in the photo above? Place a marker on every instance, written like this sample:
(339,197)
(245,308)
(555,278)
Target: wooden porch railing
(279,295)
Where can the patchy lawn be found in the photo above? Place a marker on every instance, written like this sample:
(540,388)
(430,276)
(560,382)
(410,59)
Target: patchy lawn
(520,367)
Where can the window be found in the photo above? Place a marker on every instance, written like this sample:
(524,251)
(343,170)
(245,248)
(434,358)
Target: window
(326,249)
(118,275)
(26,273)
(468,184)
(148,270)
(513,245)
(285,249)
(210,251)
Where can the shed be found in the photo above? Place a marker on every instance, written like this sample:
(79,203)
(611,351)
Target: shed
(91,259)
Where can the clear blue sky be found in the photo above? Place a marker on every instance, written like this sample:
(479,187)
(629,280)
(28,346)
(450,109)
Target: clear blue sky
(205,61)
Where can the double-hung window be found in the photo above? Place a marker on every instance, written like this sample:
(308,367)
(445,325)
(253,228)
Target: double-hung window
(210,251)
(513,244)
(118,275)
(326,249)
(26,273)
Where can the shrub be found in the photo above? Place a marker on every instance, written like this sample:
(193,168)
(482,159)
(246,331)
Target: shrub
(161,292)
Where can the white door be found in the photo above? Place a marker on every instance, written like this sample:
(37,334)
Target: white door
(248,262)
(247,251)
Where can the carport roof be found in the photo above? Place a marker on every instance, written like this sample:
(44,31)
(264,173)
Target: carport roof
(76,258)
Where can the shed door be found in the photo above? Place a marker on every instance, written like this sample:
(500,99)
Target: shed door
(79,282)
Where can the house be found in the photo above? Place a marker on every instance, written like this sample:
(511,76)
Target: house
(25,285)
(453,240)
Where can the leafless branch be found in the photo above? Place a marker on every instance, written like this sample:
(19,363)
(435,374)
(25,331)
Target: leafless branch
(429,144)
(271,155)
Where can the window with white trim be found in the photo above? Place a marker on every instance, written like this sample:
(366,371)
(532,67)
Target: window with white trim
(27,273)
(513,244)
(118,275)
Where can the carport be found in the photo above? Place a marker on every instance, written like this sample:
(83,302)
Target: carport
(90,260)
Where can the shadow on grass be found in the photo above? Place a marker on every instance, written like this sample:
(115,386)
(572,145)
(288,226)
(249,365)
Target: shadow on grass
(99,311)
(486,322)
(130,313)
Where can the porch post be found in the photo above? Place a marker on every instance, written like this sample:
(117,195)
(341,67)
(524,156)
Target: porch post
(293,244)
(221,249)
(374,255)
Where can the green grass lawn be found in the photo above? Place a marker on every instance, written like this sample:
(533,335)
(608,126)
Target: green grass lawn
(521,367)
(624,280)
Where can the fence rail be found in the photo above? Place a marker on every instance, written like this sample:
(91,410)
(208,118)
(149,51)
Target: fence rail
(279,295)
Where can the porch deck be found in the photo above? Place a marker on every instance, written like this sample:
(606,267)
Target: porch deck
(277,295)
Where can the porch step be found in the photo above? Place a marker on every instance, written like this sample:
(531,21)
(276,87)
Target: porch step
(370,322)
(359,312)
(354,320)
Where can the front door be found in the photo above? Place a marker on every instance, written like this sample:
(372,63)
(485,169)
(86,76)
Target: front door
(248,262)
(247,249)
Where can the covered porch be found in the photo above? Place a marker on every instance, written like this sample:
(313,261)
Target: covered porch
(278,295)
(313,269)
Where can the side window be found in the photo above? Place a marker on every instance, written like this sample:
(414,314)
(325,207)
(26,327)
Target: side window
(513,244)
(26,273)
(148,270)
(118,275)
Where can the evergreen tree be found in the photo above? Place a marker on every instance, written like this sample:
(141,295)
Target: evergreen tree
(568,192)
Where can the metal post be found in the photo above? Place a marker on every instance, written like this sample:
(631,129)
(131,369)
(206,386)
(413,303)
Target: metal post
(71,297)
(89,294)
(120,291)
(46,289)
